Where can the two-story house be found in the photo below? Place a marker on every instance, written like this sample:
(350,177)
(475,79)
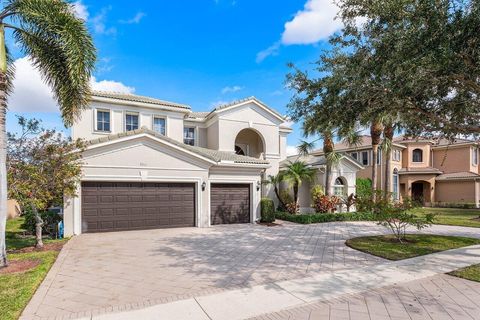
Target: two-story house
(151,163)
(434,171)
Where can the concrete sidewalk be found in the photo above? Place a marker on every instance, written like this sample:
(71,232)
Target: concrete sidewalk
(263,299)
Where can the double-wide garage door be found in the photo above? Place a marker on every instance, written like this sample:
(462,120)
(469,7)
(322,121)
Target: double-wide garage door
(115,206)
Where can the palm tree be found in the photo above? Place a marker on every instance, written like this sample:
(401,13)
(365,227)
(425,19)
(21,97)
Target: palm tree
(376,129)
(275,182)
(295,173)
(61,48)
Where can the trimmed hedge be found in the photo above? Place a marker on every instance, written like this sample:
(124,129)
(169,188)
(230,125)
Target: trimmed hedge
(325,217)
(267,210)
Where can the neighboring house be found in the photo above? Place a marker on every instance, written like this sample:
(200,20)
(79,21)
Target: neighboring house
(151,163)
(434,171)
(343,178)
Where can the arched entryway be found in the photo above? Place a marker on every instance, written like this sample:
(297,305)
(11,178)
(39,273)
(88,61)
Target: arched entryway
(420,191)
(249,142)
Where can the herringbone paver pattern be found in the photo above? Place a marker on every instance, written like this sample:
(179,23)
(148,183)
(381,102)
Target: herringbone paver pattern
(98,273)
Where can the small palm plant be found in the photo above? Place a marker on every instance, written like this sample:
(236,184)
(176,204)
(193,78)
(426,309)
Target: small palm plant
(60,47)
(275,182)
(295,173)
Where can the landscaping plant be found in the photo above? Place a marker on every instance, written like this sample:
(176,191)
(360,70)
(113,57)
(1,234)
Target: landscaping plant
(267,210)
(397,216)
(295,173)
(59,46)
(43,167)
(325,204)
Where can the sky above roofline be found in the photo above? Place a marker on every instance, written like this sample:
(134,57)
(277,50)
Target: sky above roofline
(202,53)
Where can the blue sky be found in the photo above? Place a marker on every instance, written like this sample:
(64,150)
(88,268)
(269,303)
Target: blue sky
(198,52)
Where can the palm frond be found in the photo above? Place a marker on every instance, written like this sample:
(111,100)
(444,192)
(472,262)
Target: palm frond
(305,147)
(333,158)
(60,47)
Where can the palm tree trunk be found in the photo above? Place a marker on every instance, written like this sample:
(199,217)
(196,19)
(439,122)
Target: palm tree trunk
(376,133)
(277,193)
(3,148)
(295,193)
(328,147)
(388,133)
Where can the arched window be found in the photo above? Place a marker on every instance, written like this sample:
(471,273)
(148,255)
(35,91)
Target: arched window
(396,186)
(339,187)
(417,155)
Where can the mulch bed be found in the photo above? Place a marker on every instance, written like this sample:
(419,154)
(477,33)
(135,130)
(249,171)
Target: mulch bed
(16,266)
(55,246)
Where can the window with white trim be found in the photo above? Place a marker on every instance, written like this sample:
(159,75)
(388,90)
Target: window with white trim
(396,187)
(131,121)
(103,120)
(189,135)
(379,156)
(354,155)
(159,125)
(339,188)
(475,156)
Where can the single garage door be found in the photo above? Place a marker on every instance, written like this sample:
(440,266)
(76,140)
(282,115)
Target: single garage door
(115,206)
(230,203)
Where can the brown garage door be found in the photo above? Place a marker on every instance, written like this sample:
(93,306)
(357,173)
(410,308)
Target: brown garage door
(115,206)
(230,203)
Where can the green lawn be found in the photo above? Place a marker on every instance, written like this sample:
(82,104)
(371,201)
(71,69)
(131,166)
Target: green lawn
(469,273)
(453,216)
(386,246)
(16,289)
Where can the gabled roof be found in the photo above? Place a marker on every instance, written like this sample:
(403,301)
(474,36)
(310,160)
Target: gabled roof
(136,98)
(242,102)
(213,155)
(365,142)
(313,160)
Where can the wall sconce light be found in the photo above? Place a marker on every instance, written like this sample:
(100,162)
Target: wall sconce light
(432,188)
(204,185)
(258,185)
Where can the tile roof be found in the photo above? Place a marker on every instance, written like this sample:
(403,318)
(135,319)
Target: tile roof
(308,159)
(457,176)
(198,115)
(137,98)
(214,155)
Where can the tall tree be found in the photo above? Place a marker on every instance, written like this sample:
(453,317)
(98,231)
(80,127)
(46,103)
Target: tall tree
(387,147)
(61,48)
(376,130)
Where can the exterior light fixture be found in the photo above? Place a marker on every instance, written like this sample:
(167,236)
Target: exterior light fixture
(258,185)
(204,185)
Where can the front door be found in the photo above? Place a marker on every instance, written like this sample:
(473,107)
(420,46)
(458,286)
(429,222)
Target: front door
(417,192)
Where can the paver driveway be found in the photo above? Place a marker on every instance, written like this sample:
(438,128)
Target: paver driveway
(112,271)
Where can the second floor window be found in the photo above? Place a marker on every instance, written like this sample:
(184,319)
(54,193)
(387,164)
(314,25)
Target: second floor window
(417,155)
(354,155)
(159,125)
(475,156)
(365,158)
(379,156)
(131,121)
(189,136)
(103,120)
(396,155)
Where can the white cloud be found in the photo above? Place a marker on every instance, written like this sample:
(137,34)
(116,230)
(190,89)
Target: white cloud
(80,10)
(99,23)
(136,19)
(277,93)
(110,85)
(292,150)
(314,23)
(31,94)
(231,89)
(270,51)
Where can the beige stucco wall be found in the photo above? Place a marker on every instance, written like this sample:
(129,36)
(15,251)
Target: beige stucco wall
(85,127)
(453,159)
(407,155)
(429,190)
(456,191)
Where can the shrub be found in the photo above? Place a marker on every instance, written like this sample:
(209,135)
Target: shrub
(267,210)
(325,217)
(364,194)
(317,191)
(293,207)
(324,204)
(50,221)
(397,216)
